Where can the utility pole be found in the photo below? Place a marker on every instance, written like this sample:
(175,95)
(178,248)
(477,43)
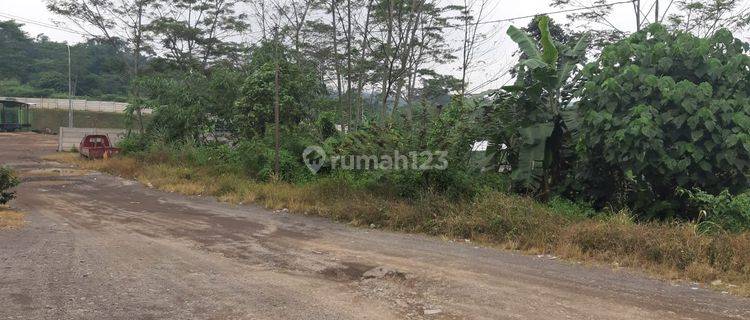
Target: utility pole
(637,4)
(70,93)
(348,65)
(656,11)
(276,103)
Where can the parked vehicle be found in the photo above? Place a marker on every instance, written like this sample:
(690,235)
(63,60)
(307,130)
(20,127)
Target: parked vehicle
(97,146)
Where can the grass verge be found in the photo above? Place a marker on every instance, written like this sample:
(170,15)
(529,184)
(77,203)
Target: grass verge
(666,250)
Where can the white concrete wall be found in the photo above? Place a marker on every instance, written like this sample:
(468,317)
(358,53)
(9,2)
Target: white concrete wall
(70,138)
(82,105)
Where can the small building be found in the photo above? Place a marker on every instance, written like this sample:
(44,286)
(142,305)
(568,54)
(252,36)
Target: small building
(14,115)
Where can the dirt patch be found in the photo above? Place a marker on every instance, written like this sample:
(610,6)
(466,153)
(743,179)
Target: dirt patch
(10,219)
(348,271)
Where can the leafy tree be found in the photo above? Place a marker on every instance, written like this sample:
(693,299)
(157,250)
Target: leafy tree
(40,66)
(704,17)
(595,18)
(191,105)
(120,23)
(663,110)
(299,88)
(15,47)
(180,106)
(195,33)
(538,103)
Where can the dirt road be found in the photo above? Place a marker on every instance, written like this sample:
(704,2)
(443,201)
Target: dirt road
(101,247)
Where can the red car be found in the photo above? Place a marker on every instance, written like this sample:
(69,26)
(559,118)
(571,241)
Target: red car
(97,146)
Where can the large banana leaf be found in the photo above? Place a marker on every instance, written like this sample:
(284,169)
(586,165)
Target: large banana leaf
(525,43)
(534,64)
(544,76)
(531,155)
(550,54)
(571,118)
(577,52)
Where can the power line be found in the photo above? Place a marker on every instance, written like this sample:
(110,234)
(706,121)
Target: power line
(41,24)
(64,29)
(602,17)
(645,16)
(664,14)
(547,13)
(451,26)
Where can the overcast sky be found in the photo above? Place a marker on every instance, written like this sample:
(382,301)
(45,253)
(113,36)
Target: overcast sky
(492,62)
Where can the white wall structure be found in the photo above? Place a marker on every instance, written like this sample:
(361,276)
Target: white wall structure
(70,138)
(80,105)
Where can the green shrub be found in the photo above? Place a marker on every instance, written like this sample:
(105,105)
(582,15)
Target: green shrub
(326,124)
(133,143)
(662,110)
(728,212)
(7,181)
(567,208)
(257,159)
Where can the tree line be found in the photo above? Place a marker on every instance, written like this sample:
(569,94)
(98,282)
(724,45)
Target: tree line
(597,116)
(38,67)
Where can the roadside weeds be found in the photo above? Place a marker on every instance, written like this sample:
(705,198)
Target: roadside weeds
(11,219)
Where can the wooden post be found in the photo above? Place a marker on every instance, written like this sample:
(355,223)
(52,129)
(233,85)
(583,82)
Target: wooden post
(277,146)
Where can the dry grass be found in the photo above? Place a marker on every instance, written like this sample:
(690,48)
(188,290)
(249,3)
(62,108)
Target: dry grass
(10,219)
(671,251)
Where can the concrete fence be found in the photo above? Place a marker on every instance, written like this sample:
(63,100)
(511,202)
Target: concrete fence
(81,105)
(70,138)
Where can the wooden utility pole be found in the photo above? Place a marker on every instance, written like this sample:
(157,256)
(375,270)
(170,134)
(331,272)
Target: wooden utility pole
(348,65)
(277,146)
(337,63)
(70,93)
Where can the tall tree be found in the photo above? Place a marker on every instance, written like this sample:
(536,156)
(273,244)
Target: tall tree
(348,63)
(704,17)
(470,24)
(595,17)
(411,33)
(195,34)
(119,23)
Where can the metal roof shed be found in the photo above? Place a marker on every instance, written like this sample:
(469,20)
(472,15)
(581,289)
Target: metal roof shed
(14,115)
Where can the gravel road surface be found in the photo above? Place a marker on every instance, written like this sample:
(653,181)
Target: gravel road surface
(102,247)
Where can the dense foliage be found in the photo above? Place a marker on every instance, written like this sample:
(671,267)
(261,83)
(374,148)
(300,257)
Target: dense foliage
(8,181)
(39,67)
(659,112)
(537,105)
(656,114)
(662,111)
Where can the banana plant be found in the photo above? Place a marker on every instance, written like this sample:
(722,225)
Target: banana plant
(542,94)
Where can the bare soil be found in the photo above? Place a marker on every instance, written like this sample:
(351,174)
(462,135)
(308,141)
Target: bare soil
(96,246)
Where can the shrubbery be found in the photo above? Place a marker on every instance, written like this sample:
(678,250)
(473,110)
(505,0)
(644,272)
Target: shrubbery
(721,211)
(7,181)
(661,111)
